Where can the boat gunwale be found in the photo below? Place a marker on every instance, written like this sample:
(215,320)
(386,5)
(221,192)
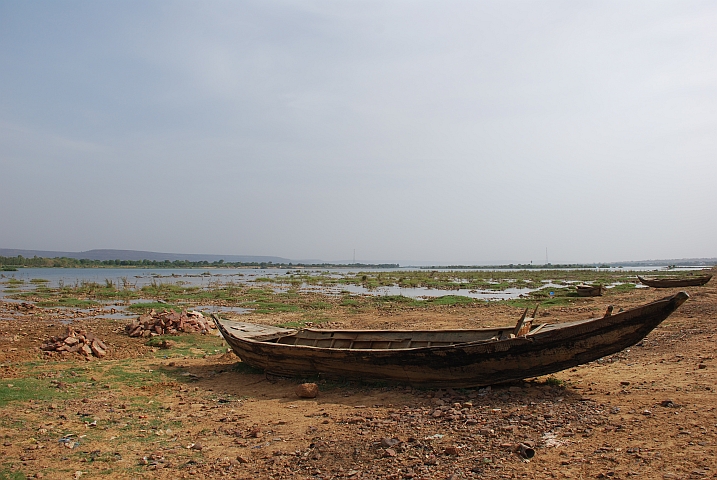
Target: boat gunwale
(546,330)
(671,282)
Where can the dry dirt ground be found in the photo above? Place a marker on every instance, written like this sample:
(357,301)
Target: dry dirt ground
(647,412)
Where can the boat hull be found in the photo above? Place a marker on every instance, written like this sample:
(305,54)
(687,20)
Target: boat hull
(472,364)
(674,282)
(589,290)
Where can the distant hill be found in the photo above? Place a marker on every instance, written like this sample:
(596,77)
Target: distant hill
(138,255)
(135,255)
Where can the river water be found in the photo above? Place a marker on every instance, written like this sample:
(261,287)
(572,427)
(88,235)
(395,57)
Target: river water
(138,277)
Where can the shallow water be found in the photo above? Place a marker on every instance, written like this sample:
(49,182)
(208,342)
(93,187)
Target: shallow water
(136,278)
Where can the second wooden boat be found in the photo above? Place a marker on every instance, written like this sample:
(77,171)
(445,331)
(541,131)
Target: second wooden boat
(445,358)
(675,282)
(589,290)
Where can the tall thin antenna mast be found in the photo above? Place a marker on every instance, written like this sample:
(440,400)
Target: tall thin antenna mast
(354,256)
(546,255)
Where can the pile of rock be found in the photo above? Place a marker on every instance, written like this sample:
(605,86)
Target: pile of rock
(24,307)
(82,342)
(169,323)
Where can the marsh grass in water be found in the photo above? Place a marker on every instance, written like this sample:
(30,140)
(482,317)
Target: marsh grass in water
(266,296)
(453,300)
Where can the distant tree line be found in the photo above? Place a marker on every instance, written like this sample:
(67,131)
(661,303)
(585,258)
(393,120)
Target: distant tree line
(519,266)
(65,262)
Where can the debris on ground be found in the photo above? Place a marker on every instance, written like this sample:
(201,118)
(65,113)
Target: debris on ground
(82,342)
(169,322)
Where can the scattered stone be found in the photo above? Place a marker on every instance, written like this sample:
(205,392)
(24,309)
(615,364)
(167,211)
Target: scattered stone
(389,442)
(307,390)
(81,341)
(452,451)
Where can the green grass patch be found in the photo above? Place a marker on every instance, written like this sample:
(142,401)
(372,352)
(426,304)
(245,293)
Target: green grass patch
(7,474)
(272,307)
(622,287)
(554,382)
(349,302)
(452,300)
(67,302)
(188,345)
(298,324)
(24,389)
(125,376)
(397,300)
(39,281)
(15,281)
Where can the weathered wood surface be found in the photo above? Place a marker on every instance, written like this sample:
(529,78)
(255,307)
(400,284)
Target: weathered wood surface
(675,282)
(446,358)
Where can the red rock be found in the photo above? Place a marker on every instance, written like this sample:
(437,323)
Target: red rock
(97,350)
(452,450)
(307,390)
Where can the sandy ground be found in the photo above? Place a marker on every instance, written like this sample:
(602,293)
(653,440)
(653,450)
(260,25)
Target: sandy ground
(647,412)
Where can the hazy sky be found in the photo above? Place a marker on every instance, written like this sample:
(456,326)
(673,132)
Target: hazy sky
(438,132)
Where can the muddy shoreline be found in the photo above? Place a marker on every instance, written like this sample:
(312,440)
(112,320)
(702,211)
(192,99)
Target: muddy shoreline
(195,411)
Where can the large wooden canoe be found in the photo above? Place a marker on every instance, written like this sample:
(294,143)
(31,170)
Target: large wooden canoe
(444,358)
(675,282)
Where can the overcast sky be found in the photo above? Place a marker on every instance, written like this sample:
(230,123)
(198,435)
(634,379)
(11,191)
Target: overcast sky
(431,132)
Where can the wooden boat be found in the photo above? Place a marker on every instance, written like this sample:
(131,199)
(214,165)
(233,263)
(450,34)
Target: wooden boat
(444,358)
(675,282)
(589,290)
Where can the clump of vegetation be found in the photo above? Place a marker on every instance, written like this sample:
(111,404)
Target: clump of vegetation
(67,302)
(554,382)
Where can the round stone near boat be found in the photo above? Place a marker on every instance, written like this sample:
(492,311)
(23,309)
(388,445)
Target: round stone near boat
(307,390)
